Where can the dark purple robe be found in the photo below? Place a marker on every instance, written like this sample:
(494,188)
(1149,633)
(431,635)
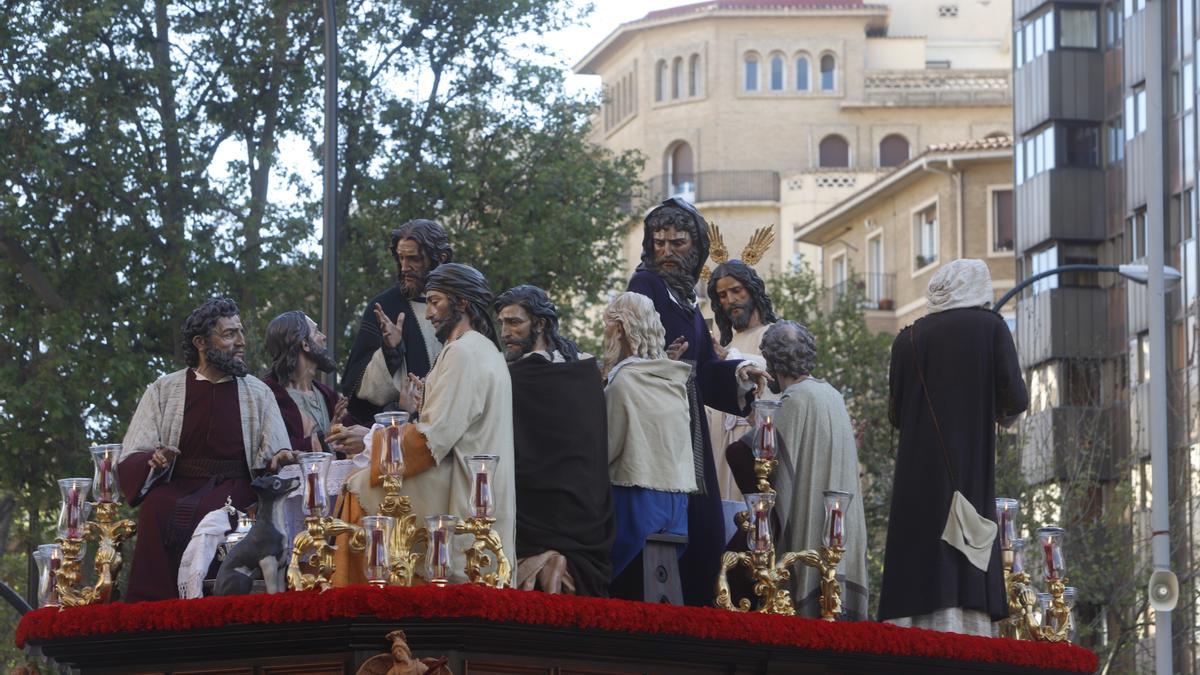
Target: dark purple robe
(170,511)
(716,387)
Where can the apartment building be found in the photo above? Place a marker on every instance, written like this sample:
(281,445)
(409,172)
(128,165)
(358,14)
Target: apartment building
(1084,175)
(951,201)
(769,112)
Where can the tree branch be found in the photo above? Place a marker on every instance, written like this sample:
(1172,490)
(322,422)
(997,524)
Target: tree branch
(32,275)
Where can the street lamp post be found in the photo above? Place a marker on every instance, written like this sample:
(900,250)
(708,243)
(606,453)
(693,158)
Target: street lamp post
(1158,277)
(329,201)
(1136,273)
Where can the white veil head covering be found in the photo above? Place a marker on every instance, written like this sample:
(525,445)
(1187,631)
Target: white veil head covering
(959,284)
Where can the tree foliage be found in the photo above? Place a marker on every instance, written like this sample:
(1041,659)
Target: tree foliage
(142,172)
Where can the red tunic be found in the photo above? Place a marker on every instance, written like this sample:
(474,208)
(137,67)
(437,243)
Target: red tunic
(211,466)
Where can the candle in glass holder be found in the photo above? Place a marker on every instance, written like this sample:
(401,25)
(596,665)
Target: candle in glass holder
(437,557)
(378,531)
(1069,594)
(836,505)
(104,481)
(48,558)
(1006,518)
(766,445)
(1051,538)
(1018,551)
(1044,600)
(315,467)
(75,507)
(483,470)
(388,430)
(758,539)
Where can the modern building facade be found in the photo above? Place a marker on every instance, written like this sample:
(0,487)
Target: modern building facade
(1085,175)
(768,112)
(951,201)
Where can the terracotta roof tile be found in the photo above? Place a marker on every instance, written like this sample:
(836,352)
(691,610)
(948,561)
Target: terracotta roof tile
(757,4)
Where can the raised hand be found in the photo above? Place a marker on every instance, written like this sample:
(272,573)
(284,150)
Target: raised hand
(393,332)
(676,349)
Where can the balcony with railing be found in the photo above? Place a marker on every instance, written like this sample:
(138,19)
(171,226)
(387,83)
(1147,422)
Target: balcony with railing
(716,186)
(937,87)
(874,291)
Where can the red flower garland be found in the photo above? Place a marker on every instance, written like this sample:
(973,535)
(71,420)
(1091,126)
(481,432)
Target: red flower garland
(534,608)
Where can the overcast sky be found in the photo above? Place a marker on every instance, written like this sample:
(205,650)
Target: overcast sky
(574,43)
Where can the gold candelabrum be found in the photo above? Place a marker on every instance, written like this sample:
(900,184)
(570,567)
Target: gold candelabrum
(109,533)
(1046,618)
(312,551)
(312,562)
(484,551)
(406,533)
(392,537)
(487,550)
(771,571)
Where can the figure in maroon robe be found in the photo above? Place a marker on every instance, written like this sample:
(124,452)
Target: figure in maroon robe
(197,436)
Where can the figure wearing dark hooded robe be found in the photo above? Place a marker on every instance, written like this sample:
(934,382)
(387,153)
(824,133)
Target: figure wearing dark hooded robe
(714,383)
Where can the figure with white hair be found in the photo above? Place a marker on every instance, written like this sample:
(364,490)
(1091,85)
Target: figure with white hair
(649,435)
(954,376)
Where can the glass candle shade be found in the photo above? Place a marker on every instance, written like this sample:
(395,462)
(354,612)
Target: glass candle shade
(437,556)
(1044,600)
(758,539)
(1069,595)
(314,466)
(483,472)
(48,558)
(1050,538)
(1018,559)
(837,503)
(378,532)
(766,439)
(75,507)
(1006,519)
(385,440)
(104,480)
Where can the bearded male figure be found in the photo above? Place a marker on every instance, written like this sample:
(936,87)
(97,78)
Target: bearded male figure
(467,411)
(650,437)
(310,409)
(564,504)
(742,311)
(674,248)
(195,439)
(394,339)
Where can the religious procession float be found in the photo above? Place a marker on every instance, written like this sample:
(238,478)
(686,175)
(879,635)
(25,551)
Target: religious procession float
(409,618)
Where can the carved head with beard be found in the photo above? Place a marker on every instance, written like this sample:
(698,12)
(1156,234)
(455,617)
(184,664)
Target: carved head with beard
(675,246)
(466,294)
(291,338)
(737,294)
(632,328)
(213,336)
(418,247)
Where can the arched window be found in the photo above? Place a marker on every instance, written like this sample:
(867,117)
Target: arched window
(776,73)
(660,80)
(750,79)
(677,77)
(802,73)
(694,75)
(834,152)
(893,150)
(828,69)
(681,176)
